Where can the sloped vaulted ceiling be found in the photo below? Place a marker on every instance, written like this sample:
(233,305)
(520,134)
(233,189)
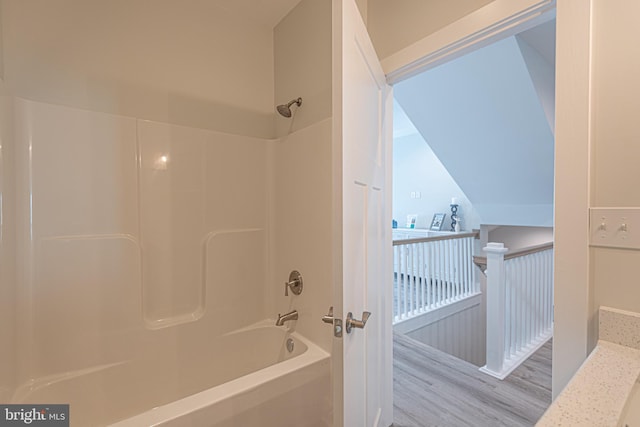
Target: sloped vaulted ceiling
(483,117)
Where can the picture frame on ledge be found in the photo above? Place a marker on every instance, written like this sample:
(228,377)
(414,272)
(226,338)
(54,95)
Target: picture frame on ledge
(411,221)
(437,222)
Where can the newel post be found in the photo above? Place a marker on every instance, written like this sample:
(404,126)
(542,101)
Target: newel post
(496,284)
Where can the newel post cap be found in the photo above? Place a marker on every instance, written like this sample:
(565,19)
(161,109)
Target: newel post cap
(495,248)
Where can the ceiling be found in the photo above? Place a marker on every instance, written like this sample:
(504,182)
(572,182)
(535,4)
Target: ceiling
(543,39)
(265,12)
(484,116)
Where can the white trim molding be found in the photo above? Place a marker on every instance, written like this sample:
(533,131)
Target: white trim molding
(498,20)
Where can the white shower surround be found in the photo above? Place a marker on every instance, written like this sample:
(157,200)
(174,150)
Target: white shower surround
(142,245)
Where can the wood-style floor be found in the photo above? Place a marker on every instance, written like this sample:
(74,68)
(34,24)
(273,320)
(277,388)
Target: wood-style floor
(432,388)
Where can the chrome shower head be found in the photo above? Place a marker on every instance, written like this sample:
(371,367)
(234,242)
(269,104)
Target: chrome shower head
(285,109)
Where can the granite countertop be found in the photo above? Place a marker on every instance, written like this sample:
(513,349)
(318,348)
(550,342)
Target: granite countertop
(597,393)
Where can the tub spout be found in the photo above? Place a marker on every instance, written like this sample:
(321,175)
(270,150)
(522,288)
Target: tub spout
(286,317)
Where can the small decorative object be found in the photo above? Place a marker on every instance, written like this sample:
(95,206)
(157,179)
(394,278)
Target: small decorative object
(437,221)
(411,221)
(454,214)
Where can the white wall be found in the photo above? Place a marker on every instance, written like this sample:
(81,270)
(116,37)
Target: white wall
(571,219)
(417,169)
(122,254)
(460,332)
(541,65)
(515,238)
(198,66)
(482,117)
(302,171)
(302,223)
(395,25)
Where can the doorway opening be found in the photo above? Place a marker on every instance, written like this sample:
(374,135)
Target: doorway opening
(473,144)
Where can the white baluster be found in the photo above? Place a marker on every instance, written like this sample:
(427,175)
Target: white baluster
(541,279)
(471,283)
(550,289)
(396,257)
(456,268)
(404,281)
(441,277)
(526,337)
(447,269)
(422,276)
(469,267)
(431,293)
(412,300)
(520,287)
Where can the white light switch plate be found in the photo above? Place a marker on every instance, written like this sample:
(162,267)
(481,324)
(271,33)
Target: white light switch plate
(615,227)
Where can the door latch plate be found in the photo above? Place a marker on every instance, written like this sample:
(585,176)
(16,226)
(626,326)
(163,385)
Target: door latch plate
(337,328)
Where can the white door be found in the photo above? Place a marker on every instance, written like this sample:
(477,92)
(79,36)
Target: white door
(363,390)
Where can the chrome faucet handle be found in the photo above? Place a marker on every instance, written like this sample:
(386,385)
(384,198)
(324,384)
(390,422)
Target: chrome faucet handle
(295,283)
(288,285)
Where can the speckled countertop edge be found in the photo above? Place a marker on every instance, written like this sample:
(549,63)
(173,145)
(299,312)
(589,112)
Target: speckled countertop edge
(619,327)
(597,393)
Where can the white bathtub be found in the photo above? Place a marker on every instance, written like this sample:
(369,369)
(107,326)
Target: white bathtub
(248,378)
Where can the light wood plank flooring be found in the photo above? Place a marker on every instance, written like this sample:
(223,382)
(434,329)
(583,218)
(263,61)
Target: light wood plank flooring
(432,388)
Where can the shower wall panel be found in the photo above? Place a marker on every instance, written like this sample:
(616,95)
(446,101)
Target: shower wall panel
(135,238)
(172,184)
(303,230)
(77,200)
(195,186)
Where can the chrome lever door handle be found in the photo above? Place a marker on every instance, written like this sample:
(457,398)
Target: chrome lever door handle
(355,323)
(336,322)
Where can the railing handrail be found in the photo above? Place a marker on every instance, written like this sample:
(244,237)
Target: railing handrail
(529,250)
(482,260)
(435,238)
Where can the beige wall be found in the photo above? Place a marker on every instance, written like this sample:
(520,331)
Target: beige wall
(616,149)
(394,25)
(301,210)
(7,241)
(153,59)
(7,252)
(596,166)
(302,62)
(516,238)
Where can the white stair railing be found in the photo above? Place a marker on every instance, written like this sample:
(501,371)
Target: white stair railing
(519,305)
(432,272)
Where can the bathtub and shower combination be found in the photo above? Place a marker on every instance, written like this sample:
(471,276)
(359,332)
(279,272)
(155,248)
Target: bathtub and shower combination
(135,312)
